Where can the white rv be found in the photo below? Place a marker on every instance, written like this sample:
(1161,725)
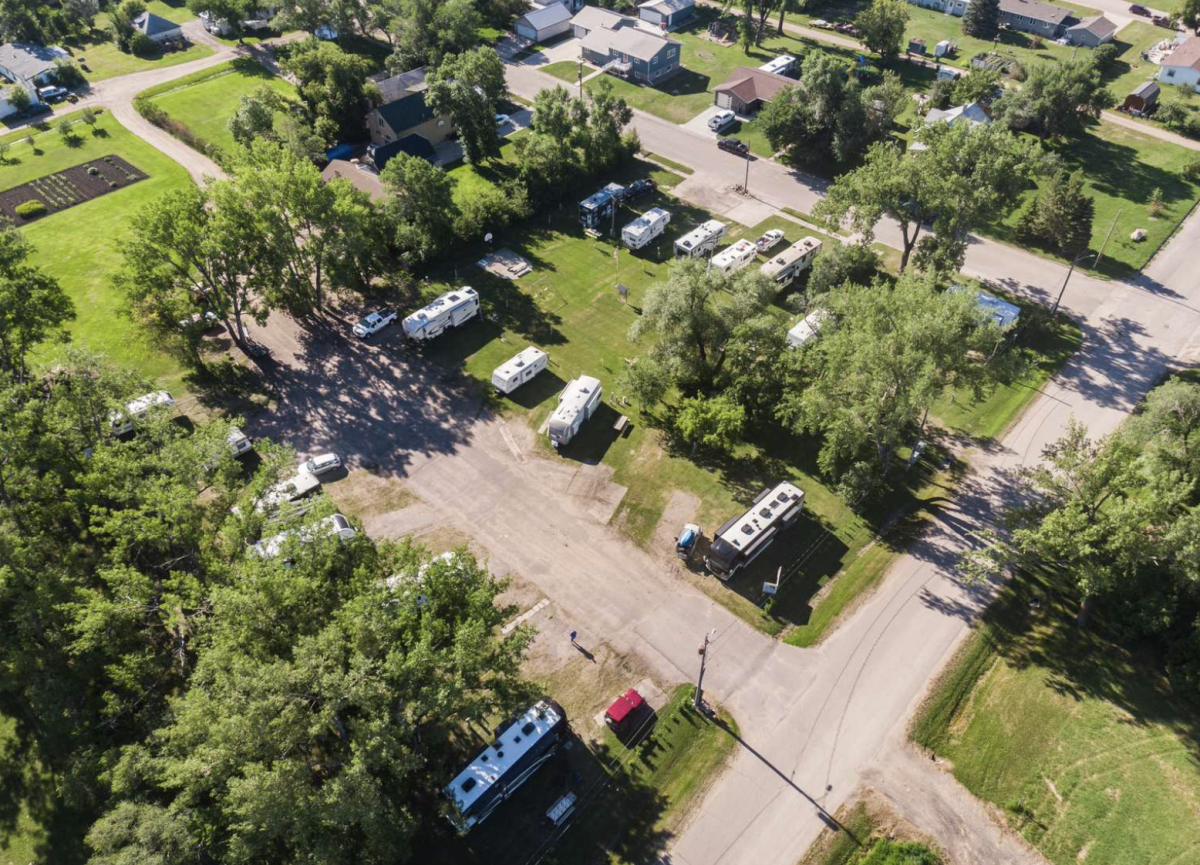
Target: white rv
(515,372)
(335,526)
(122,421)
(448,311)
(645,228)
(700,240)
(577,402)
(733,258)
(807,329)
(791,262)
(781,65)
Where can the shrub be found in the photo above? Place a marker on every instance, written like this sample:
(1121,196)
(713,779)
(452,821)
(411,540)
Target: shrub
(93,170)
(142,45)
(841,262)
(67,74)
(64,128)
(1104,55)
(1191,171)
(30,209)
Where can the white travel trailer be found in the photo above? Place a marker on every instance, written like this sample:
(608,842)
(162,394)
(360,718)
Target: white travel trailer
(645,228)
(515,372)
(807,329)
(447,312)
(791,262)
(781,65)
(335,526)
(577,402)
(122,421)
(700,240)
(733,258)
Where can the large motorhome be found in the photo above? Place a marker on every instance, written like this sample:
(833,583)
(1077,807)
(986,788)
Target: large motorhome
(645,228)
(791,262)
(743,538)
(700,240)
(784,64)
(733,258)
(596,208)
(807,329)
(519,369)
(448,311)
(576,404)
(522,745)
(122,422)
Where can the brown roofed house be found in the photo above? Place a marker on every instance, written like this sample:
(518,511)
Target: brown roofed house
(747,90)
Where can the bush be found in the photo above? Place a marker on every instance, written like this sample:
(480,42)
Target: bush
(93,170)
(1191,171)
(30,209)
(1104,55)
(142,45)
(67,73)
(842,262)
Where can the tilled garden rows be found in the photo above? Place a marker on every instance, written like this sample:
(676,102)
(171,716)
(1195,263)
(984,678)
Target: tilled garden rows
(71,186)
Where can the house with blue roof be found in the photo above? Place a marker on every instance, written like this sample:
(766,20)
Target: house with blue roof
(401,121)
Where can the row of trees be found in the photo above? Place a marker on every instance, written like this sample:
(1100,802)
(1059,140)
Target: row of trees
(1120,518)
(42,23)
(208,704)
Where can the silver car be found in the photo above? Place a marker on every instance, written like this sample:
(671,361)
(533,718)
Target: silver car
(321,464)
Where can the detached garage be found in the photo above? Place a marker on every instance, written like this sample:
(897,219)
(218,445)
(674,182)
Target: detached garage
(545,23)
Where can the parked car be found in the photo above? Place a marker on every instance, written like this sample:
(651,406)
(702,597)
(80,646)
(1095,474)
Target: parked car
(733,145)
(1162,21)
(768,240)
(322,464)
(640,187)
(820,23)
(256,349)
(375,322)
(1135,9)
(720,120)
(685,544)
(501,119)
(53,93)
(200,321)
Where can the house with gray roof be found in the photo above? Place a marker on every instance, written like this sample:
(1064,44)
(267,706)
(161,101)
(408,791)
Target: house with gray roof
(667,14)
(1033,16)
(30,65)
(591,18)
(156,27)
(544,23)
(1092,32)
(633,53)
(1182,66)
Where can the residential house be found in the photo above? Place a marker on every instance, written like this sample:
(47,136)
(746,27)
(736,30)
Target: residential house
(358,175)
(667,14)
(1033,16)
(1182,66)
(591,18)
(632,53)
(541,24)
(157,28)
(747,90)
(30,65)
(402,122)
(1092,32)
(951,7)
(972,114)
(1142,100)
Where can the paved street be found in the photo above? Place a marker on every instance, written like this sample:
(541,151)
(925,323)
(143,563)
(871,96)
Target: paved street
(815,722)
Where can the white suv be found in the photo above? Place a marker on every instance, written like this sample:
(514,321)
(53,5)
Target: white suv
(720,120)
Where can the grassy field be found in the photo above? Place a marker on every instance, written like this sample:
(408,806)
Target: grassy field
(1130,70)
(172,10)
(567,70)
(80,246)
(1077,739)
(1123,168)
(99,57)
(205,102)
(632,794)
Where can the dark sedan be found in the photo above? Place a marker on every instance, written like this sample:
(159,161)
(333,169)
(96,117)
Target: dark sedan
(733,145)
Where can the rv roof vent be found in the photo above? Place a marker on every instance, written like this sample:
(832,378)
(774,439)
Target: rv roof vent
(483,757)
(528,728)
(500,754)
(516,739)
(747,529)
(765,512)
(467,785)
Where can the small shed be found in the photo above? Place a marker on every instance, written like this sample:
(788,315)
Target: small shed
(1143,99)
(539,25)
(943,48)
(916,46)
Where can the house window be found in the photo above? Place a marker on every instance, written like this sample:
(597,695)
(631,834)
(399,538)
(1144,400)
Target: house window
(1170,73)
(654,61)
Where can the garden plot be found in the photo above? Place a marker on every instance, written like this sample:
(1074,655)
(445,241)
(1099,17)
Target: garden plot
(64,189)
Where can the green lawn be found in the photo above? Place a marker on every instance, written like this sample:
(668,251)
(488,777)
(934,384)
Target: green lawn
(1123,168)
(80,246)
(99,57)
(205,102)
(172,10)
(1079,740)
(567,70)
(861,840)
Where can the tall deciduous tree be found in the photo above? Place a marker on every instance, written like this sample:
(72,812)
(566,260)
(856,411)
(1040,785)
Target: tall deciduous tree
(1056,98)
(33,307)
(714,422)
(467,87)
(982,19)
(607,116)
(333,86)
(963,176)
(693,320)
(421,205)
(882,25)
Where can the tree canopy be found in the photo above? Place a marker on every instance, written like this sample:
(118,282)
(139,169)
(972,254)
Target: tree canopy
(1057,99)
(882,25)
(467,87)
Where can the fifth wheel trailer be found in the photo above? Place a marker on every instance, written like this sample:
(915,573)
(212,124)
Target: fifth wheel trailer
(449,311)
(576,404)
(784,267)
(645,228)
(700,240)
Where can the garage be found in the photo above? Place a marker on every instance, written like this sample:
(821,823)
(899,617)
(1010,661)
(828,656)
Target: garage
(542,24)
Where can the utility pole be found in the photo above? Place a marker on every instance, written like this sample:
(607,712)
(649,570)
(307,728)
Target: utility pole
(1080,258)
(699,700)
(580,80)
(746,182)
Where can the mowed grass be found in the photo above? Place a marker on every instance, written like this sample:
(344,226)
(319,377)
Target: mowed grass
(1123,168)
(99,57)
(81,246)
(172,10)
(1081,742)
(1129,70)
(567,70)
(206,104)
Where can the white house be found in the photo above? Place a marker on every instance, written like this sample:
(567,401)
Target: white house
(156,27)
(544,23)
(30,65)
(951,7)
(972,114)
(1182,66)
